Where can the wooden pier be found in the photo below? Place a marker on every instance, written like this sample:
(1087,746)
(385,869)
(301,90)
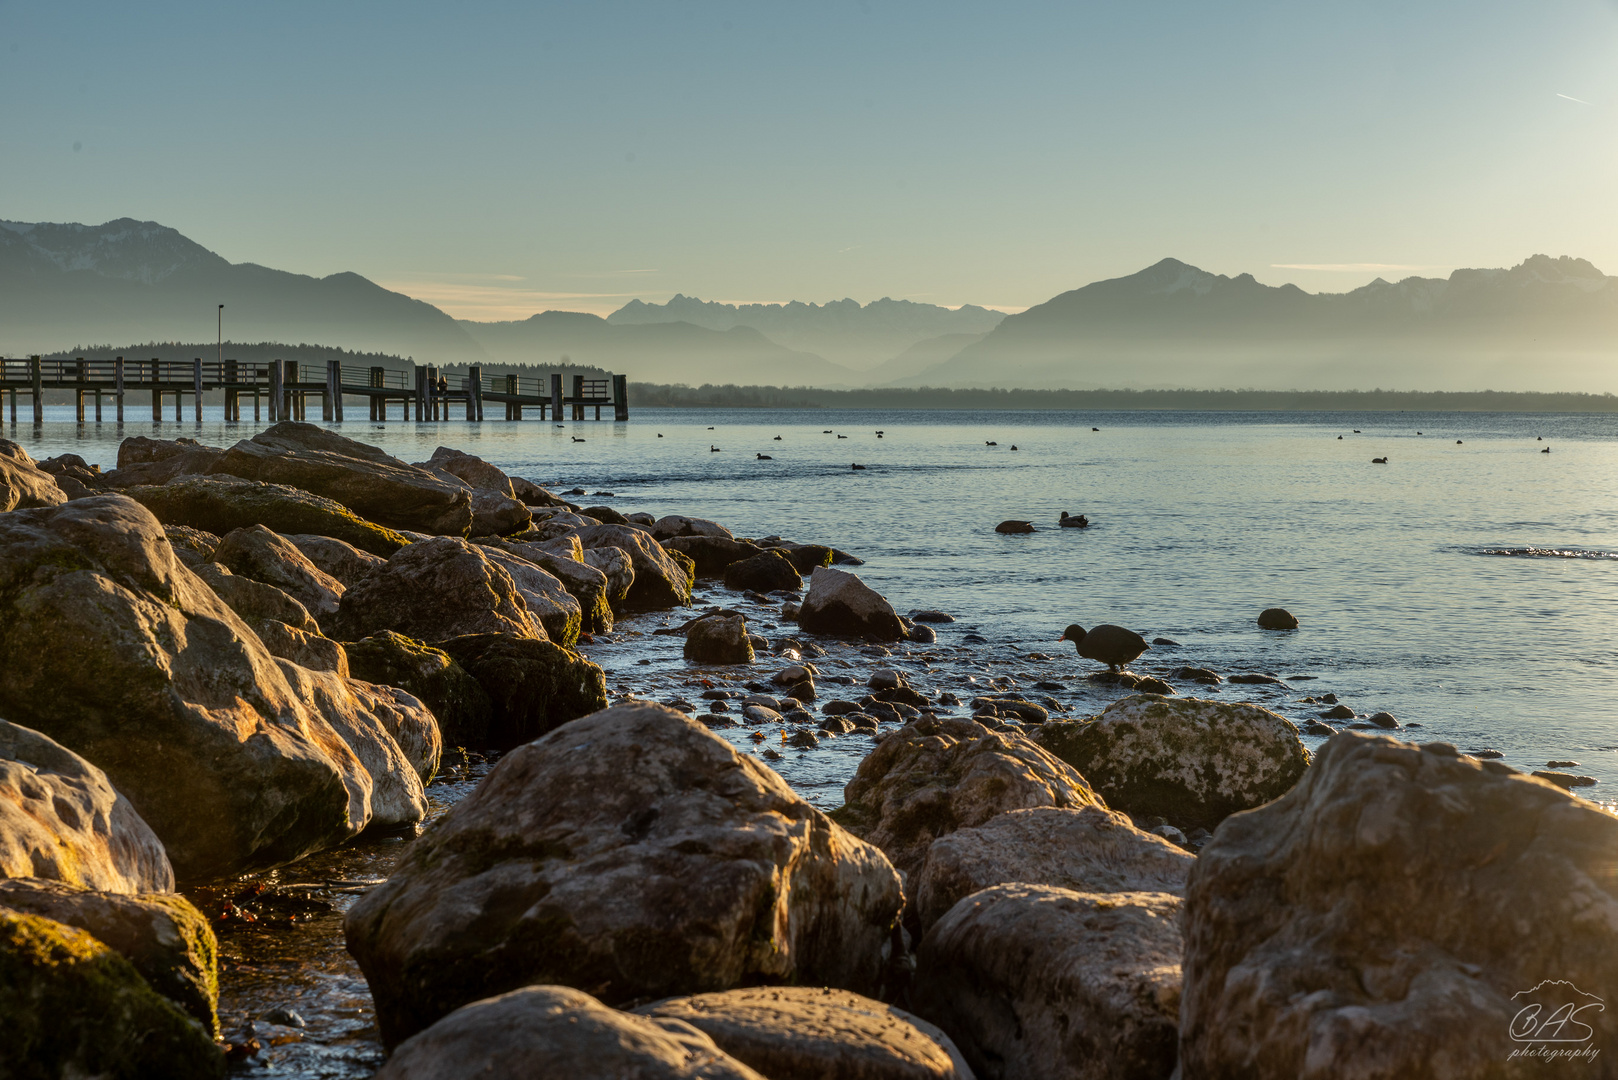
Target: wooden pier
(281,391)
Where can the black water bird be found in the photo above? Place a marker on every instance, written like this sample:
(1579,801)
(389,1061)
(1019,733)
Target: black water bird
(1546,450)
(1457,442)
(1418,433)
(858,468)
(1111,645)
(778,438)
(1537,438)
(561,425)
(712,449)
(1071,521)
(577,439)
(1014,527)
(1339,438)
(842,436)
(1356,431)
(1014,446)
(986,443)
(765,457)
(1095,429)
(826,432)
(659,434)
(879,434)
(1379,461)
(879,431)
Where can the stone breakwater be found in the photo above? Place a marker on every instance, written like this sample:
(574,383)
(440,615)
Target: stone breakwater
(225,660)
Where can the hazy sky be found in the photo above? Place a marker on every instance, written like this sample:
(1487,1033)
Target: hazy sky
(499,159)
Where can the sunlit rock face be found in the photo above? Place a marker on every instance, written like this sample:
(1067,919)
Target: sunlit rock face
(112,647)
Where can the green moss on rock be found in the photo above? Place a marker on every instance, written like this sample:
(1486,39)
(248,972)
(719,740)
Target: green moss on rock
(464,710)
(536,686)
(220,504)
(74,1007)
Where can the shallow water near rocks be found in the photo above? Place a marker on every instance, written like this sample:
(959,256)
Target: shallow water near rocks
(1466,587)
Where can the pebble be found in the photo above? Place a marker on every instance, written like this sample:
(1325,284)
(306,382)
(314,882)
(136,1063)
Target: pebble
(803,739)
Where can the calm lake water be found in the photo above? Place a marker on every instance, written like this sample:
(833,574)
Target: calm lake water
(1470,585)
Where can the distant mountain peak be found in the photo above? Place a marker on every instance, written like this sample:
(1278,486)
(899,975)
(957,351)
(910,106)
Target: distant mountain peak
(124,248)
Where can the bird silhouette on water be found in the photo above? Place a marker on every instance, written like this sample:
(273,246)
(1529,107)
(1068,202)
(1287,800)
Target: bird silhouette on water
(1108,644)
(987,443)
(765,457)
(778,438)
(577,439)
(712,449)
(842,436)
(1070,521)
(857,468)
(1379,461)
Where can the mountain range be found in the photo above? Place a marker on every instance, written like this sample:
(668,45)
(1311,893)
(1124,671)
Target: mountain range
(1546,323)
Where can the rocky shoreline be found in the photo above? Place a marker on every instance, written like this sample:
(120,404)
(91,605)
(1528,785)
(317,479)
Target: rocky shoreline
(224,660)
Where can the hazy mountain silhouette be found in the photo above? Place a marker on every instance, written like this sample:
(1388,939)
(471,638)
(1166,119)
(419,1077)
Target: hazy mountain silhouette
(674,352)
(1543,324)
(132,280)
(843,331)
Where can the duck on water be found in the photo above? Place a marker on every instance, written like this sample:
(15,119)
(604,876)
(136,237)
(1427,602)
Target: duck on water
(1111,645)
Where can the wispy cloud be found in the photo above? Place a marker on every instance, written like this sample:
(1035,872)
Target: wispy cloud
(1570,97)
(1360,268)
(499,297)
(606,273)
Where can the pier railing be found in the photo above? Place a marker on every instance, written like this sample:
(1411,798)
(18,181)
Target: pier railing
(283,388)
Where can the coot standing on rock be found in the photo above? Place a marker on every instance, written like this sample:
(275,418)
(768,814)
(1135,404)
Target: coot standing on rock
(1111,645)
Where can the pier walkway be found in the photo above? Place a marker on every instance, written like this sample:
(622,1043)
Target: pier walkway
(281,390)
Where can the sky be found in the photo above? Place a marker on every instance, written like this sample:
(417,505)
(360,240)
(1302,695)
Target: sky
(499,159)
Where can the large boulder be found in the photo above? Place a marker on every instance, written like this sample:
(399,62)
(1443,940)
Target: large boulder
(22,482)
(534,495)
(74,1007)
(533,686)
(660,582)
(839,604)
(219,504)
(1040,983)
(934,776)
(586,584)
(1190,761)
(666,528)
(719,639)
(547,598)
(712,554)
(304,648)
(765,572)
(193,546)
(1403,911)
(630,854)
(463,709)
(810,1032)
(174,696)
(552,1031)
(496,510)
(436,589)
(373,484)
(1088,850)
(338,558)
(162,934)
(142,460)
(60,818)
(262,555)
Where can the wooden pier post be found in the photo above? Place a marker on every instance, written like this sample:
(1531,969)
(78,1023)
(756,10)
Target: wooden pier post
(39,389)
(474,393)
(278,376)
(327,396)
(421,392)
(578,395)
(118,385)
(196,387)
(513,408)
(620,397)
(233,397)
(556,396)
(379,404)
(78,391)
(157,395)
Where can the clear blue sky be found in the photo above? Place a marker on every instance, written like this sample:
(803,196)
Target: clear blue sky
(499,158)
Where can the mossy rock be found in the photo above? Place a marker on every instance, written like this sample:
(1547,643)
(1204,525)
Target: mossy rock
(536,686)
(686,563)
(463,708)
(220,504)
(74,1007)
(163,935)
